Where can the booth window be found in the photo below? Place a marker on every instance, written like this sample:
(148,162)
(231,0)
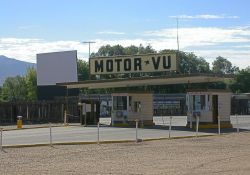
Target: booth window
(199,102)
(119,102)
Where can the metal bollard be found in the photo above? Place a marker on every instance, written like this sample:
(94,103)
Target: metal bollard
(197,125)
(136,130)
(1,139)
(237,122)
(218,124)
(98,133)
(170,127)
(50,134)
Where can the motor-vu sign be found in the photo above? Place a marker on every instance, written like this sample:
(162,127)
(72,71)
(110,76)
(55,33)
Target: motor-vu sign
(133,64)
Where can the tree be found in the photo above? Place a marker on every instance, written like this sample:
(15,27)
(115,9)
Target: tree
(20,88)
(223,66)
(14,89)
(31,83)
(242,81)
(1,97)
(190,63)
(82,70)
(120,50)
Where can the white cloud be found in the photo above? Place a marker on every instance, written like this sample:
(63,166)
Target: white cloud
(202,36)
(26,49)
(232,43)
(110,33)
(240,58)
(205,16)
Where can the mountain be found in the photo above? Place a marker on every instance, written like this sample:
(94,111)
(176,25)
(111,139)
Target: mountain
(10,67)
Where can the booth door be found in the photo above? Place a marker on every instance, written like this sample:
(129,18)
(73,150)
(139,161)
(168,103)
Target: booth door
(215,108)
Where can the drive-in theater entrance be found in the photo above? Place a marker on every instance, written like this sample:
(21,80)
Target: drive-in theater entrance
(128,106)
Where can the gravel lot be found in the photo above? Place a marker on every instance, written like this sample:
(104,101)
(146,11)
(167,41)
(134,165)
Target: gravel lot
(226,154)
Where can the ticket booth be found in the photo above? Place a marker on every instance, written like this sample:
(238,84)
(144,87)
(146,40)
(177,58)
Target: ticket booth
(208,105)
(128,107)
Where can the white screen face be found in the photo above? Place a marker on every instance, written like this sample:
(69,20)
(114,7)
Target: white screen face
(57,67)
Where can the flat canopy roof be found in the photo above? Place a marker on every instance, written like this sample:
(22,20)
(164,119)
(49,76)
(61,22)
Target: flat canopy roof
(146,81)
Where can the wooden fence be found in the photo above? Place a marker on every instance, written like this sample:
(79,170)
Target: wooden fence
(39,111)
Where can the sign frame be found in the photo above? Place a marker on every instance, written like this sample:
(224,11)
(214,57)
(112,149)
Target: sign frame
(141,63)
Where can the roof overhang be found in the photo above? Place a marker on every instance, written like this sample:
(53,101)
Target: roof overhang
(147,81)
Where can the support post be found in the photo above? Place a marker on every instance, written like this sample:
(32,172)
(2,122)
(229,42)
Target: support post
(162,120)
(237,123)
(98,133)
(191,120)
(1,139)
(80,115)
(170,127)
(50,134)
(27,111)
(218,124)
(197,125)
(85,116)
(65,118)
(39,112)
(136,130)
(62,111)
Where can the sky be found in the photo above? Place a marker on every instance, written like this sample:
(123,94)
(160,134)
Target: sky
(208,28)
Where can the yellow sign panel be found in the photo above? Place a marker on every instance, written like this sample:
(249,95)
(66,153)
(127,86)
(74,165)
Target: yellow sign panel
(133,64)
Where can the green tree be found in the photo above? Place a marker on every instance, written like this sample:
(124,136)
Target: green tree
(20,88)
(222,66)
(242,81)
(120,50)
(1,95)
(31,84)
(82,70)
(190,63)
(14,89)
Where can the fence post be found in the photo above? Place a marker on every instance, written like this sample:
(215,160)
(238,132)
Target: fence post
(50,134)
(170,127)
(65,118)
(191,120)
(27,116)
(1,139)
(237,123)
(197,125)
(136,130)
(218,124)
(98,132)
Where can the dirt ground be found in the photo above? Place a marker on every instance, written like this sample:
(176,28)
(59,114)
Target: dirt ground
(226,154)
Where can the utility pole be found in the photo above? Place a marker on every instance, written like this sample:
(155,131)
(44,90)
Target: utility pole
(177,33)
(89,42)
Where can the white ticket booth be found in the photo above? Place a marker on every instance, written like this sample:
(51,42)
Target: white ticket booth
(128,107)
(209,105)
